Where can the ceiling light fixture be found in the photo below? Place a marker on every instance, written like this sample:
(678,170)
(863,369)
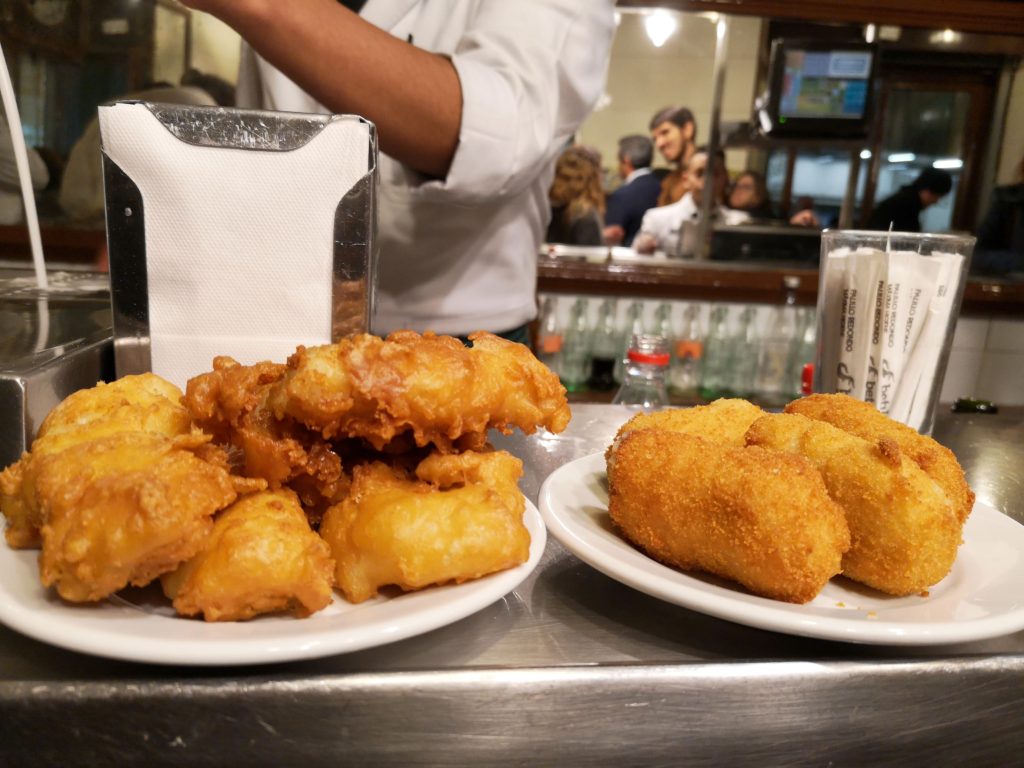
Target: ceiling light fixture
(660,26)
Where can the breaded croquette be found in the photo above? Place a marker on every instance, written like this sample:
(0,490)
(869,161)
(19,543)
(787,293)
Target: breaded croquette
(864,420)
(758,517)
(262,557)
(904,532)
(723,421)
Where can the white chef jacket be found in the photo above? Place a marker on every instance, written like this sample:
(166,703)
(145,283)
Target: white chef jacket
(674,226)
(459,254)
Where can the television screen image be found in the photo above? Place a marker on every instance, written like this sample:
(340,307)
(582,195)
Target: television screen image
(825,84)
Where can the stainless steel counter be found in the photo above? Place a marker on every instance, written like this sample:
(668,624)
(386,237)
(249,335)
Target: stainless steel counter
(571,668)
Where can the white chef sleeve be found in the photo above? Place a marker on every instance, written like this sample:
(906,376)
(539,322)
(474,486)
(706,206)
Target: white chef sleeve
(530,71)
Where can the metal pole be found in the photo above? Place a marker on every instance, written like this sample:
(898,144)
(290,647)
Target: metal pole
(704,227)
(846,211)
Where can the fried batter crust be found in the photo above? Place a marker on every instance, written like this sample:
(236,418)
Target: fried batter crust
(460,519)
(124,509)
(261,557)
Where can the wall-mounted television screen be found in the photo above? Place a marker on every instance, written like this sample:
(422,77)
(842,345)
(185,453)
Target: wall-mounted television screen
(818,89)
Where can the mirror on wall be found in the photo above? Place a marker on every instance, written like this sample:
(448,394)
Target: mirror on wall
(942,100)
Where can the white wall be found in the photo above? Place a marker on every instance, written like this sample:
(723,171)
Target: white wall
(214,47)
(1012,151)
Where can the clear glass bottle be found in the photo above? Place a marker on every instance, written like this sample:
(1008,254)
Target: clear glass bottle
(775,355)
(549,335)
(644,383)
(684,370)
(805,349)
(713,380)
(576,349)
(634,326)
(743,355)
(604,348)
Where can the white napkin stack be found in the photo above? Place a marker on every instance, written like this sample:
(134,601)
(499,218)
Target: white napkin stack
(239,242)
(888,318)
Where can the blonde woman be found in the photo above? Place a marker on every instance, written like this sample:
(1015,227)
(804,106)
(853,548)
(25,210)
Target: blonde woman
(577,198)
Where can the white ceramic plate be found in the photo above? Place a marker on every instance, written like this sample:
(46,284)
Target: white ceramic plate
(148,631)
(980,598)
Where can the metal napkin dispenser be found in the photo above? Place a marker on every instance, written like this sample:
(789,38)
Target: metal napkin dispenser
(235,232)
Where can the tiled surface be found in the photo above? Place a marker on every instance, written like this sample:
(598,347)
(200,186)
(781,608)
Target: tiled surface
(961,374)
(971,333)
(1001,377)
(1006,336)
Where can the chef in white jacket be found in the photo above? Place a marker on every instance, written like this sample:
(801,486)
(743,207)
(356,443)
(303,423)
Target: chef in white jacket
(472,99)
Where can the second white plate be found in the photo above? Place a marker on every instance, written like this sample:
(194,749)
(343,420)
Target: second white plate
(980,598)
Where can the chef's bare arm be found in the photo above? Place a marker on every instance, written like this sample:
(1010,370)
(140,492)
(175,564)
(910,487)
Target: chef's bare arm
(351,66)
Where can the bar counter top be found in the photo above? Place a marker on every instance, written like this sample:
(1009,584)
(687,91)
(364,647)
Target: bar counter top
(570,668)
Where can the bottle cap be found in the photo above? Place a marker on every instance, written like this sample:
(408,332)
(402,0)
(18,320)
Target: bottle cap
(654,358)
(648,348)
(807,379)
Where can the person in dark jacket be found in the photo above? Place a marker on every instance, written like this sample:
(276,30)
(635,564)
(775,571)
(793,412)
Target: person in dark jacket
(639,191)
(1000,247)
(902,210)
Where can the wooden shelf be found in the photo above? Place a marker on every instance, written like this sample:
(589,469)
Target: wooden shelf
(763,283)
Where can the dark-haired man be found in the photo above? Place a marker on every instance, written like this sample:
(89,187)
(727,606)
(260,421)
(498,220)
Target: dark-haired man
(639,191)
(902,210)
(674,133)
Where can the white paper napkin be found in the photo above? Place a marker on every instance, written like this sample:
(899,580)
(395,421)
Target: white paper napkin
(239,243)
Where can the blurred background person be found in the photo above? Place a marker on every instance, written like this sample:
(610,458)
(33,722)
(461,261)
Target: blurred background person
(1000,247)
(639,191)
(81,188)
(749,193)
(11,206)
(672,228)
(902,210)
(674,133)
(577,198)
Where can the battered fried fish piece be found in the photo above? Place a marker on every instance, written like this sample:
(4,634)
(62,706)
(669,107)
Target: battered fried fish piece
(757,517)
(462,518)
(864,420)
(142,403)
(262,557)
(904,532)
(230,402)
(124,509)
(432,387)
(724,421)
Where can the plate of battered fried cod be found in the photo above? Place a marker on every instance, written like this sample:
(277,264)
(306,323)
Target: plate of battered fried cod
(343,499)
(828,520)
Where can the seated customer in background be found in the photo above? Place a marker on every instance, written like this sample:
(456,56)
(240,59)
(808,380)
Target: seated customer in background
(672,228)
(11,205)
(577,199)
(639,191)
(749,194)
(902,210)
(1000,247)
(81,188)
